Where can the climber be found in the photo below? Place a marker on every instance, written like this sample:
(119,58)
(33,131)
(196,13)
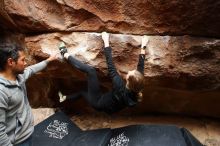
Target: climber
(123,94)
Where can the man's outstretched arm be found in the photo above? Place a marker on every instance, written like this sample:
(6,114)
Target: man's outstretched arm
(30,70)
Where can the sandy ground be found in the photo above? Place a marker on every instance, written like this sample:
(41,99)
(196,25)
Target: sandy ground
(205,130)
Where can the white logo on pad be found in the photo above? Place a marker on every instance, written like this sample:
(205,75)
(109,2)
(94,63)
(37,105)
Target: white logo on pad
(57,129)
(120,140)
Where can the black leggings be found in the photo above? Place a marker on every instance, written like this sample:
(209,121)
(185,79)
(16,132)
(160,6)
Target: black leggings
(93,93)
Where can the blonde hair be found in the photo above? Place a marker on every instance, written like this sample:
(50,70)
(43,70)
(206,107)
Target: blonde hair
(135,83)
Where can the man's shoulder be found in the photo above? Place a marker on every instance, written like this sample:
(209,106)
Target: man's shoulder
(20,77)
(3,90)
(2,85)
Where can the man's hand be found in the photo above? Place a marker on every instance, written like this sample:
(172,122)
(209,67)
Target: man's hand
(53,57)
(105,38)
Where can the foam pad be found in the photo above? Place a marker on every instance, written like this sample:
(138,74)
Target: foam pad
(147,135)
(59,130)
(92,138)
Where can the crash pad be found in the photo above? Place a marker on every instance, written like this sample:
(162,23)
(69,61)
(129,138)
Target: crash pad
(59,130)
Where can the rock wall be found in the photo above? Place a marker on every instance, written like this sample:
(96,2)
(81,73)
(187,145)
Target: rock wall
(182,65)
(182,74)
(158,17)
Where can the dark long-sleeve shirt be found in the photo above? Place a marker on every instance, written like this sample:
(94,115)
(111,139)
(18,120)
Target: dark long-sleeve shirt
(119,97)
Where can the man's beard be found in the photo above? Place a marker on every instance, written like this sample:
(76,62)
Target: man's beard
(17,72)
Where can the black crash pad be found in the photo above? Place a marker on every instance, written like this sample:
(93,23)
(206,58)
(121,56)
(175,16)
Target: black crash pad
(59,130)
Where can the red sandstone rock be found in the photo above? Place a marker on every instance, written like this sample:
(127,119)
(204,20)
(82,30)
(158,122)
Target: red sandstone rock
(182,73)
(156,17)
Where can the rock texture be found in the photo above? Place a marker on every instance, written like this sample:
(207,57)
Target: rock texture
(182,73)
(182,66)
(158,17)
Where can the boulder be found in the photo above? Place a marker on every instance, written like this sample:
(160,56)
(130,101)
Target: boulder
(181,73)
(153,17)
